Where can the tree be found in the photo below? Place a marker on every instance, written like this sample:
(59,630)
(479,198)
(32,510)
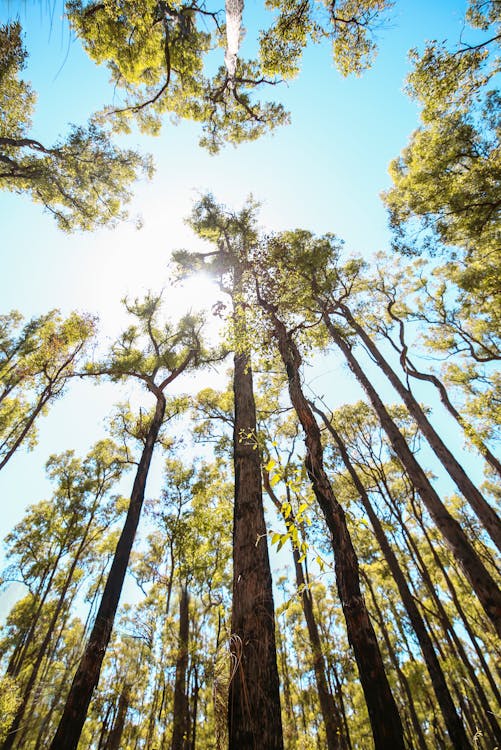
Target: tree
(309,282)
(36,362)
(385,720)
(156,53)
(457,148)
(156,354)
(52,544)
(254,715)
(82,180)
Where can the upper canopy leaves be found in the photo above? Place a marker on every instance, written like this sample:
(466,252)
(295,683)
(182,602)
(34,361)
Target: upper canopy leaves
(158,54)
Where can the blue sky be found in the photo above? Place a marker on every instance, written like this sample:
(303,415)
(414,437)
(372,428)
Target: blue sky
(324,172)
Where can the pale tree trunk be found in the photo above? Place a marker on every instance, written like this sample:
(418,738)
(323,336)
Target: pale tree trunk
(234,10)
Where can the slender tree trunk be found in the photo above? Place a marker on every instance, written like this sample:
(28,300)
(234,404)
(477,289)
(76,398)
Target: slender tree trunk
(16,723)
(480,579)
(196,690)
(254,715)
(340,697)
(385,720)
(289,708)
(88,671)
(115,736)
(452,720)
(180,708)
(486,712)
(330,712)
(416,726)
(467,625)
(491,459)
(487,515)
(15,665)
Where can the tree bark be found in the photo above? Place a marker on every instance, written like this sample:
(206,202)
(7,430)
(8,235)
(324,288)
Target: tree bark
(486,515)
(88,671)
(180,708)
(115,736)
(480,579)
(452,720)
(330,712)
(254,715)
(385,721)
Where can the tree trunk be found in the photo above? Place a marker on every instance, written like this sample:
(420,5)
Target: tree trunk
(16,723)
(480,579)
(180,708)
(418,732)
(487,515)
(115,736)
(452,720)
(330,712)
(88,671)
(254,716)
(385,721)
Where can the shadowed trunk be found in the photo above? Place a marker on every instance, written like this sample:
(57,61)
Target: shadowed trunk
(452,720)
(385,721)
(254,717)
(87,675)
(330,712)
(115,736)
(180,708)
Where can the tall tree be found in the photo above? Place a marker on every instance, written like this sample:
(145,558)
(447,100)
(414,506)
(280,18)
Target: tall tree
(156,53)
(73,523)
(385,720)
(154,353)
(254,716)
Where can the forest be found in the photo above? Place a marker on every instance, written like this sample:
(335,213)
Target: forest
(249,470)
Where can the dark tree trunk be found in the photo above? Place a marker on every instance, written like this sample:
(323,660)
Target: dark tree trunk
(254,716)
(330,712)
(180,708)
(480,579)
(409,703)
(88,671)
(452,720)
(196,690)
(487,515)
(117,730)
(491,459)
(340,697)
(385,721)
(286,681)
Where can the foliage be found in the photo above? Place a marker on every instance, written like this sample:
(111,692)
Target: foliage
(157,54)
(82,180)
(445,197)
(9,700)
(37,360)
